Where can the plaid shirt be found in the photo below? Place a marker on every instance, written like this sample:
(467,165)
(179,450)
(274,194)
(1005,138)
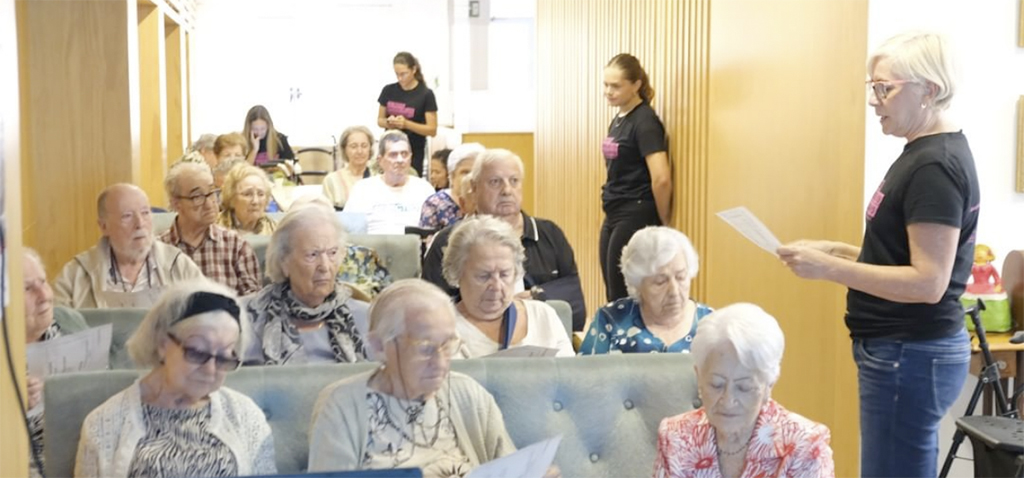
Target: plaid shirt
(224,256)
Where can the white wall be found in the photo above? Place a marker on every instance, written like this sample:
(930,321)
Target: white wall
(992,79)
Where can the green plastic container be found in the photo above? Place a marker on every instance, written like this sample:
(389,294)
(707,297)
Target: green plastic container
(995,317)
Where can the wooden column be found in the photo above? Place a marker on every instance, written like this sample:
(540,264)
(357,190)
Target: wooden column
(177,129)
(152,102)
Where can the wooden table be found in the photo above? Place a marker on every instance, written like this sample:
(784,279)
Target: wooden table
(1002,351)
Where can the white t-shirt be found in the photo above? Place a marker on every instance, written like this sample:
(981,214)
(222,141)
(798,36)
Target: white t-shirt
(389,209)
(543,328)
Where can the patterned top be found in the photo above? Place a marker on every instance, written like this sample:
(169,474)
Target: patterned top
(618,326)
(265,226)
(365,270)
(783,444)
(35,419)
(413,433)
(439,211)
(223,256)
(177,443)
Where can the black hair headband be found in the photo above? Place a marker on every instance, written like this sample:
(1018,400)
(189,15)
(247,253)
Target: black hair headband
(202,302)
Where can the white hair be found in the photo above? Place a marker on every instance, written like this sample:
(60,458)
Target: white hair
(463,152)
(393,307)
(923,57)
(297,221)
(489,156)
(474,231)
(649,250)
(747,328)
(205,141)
(176,171)
(144,344)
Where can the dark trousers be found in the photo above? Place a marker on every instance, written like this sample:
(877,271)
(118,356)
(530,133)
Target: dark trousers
(620,222)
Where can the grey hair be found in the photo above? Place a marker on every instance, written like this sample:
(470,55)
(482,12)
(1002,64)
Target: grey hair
(747,328)
(176,171)
(205,141)
(489,156)
(463,152)
(101,200)
(344,141)
(295,222)
(144,344)
(922,57)
(390,137)
(649,250)
(474,231)
(34,255)
(393,307)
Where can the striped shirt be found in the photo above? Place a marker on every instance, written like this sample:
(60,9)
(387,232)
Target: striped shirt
(224,256)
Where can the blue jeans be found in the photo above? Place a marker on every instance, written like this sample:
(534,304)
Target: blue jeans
(906,387)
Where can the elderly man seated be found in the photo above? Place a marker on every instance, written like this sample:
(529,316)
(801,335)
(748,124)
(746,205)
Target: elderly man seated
(392,200)
(496,188)
(127,268)
(220,253)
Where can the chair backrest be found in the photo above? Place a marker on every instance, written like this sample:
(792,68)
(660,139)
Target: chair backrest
(607,407)
(564,312)
(124,322)
(1013,283)
(162,221)
(315,164)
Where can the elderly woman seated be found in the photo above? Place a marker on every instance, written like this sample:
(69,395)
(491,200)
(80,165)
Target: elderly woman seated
(658,265)
(411,411)
(244,199)
(305,314)
(178,420)
(484,259)
(43,321)
(739,430)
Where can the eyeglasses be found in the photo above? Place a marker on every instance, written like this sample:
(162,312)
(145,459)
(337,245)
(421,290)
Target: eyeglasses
(426,349)
(882,88)
(199,200)
(198,357)
(312,257)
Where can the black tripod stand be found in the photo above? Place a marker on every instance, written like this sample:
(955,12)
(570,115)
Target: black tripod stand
(989,376)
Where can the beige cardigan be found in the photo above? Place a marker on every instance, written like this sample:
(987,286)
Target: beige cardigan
(76,284)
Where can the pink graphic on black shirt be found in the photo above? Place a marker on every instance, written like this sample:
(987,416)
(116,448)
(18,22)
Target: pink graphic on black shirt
(397,108)
(610,148)
(876,201)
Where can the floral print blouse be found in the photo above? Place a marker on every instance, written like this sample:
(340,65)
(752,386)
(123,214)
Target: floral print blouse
(783,444)
(365,270)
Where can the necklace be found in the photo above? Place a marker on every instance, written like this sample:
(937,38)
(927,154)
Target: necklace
(732,453)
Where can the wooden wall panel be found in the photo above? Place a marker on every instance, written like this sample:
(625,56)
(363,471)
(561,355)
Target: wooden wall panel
(14,442)
(78,64)
(521,144)
(575,40)
(174,41)
(152,102)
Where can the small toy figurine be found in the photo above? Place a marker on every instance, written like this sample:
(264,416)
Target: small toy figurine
(984,277)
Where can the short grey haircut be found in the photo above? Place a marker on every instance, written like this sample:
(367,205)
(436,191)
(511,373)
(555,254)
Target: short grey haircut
(101,200)
(922,57)
(205,141)
(490,156)
(344,141)
(176,171)
(144,344)
(463,152)
(747,328)
(390,137)
(476,231)
(649,250)
(297,221)
(393,307)
(34,255)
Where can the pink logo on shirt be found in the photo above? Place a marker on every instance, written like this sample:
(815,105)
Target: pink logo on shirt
(610,148)
(397,108)
(876,201)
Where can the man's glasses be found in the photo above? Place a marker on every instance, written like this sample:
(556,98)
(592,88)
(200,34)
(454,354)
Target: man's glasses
(199,200)
(883,88)
(198,357)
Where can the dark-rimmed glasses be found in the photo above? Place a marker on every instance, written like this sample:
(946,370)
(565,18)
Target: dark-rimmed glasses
(882,88)
(199,200)
(198,357)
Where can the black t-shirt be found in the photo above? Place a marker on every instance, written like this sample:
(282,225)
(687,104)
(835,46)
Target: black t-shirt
(933,182)
(413,105)
(630,140)
(284,150)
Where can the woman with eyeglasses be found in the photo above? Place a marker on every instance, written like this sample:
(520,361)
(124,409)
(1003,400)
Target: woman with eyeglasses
(178,420)
(412,411)
(306,315)
(244,200)
(905,280)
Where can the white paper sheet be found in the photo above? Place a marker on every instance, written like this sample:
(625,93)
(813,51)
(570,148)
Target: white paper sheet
(529,462)
(744,221)
(525,351)
(79,352)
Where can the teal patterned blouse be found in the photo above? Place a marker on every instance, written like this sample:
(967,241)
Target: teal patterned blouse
(618,326)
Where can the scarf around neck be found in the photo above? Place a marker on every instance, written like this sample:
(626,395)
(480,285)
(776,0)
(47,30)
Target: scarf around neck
(274,310)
